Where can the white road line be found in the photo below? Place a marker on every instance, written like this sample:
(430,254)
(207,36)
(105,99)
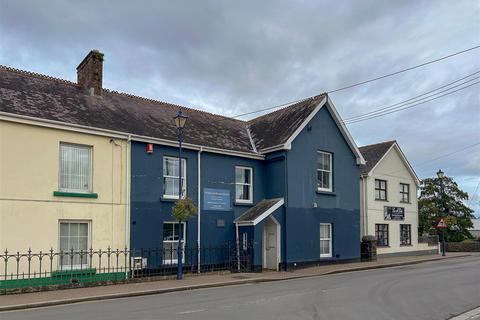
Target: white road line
(191,311)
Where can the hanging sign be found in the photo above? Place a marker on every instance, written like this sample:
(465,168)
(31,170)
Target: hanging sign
(216,199)
(394,213)
(441,224)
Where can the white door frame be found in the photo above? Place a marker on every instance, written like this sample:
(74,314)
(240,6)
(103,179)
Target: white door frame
(264,262)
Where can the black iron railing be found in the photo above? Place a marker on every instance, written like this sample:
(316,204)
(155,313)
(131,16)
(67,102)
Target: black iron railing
(43,270)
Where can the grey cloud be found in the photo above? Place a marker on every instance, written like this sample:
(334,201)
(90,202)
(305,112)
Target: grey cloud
(233,57)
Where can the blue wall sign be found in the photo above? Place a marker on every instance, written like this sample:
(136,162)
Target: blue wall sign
(216,199)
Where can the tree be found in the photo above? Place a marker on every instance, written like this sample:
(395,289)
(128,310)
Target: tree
(434,204)
(184,209)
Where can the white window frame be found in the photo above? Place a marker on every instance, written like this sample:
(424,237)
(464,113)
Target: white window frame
(89,245)
(90,177)
(330,179)
(250,193)
(330,240)
(245,241)
(175,243)
(402,192)
(184,176)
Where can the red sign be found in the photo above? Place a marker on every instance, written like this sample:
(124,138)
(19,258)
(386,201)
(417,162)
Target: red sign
(441,224)
(149,148)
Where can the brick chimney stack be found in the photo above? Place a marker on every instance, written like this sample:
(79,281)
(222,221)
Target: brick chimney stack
(90,72)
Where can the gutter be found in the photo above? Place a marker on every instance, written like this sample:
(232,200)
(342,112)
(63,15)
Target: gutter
(119,135)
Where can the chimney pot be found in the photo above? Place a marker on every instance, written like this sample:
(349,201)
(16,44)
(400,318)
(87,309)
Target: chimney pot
(90,72)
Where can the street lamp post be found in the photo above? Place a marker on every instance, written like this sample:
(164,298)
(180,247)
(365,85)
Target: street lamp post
(180,121)
(440,175)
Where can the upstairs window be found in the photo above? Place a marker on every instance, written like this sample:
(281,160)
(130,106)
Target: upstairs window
(75,168)
(404,192)
(324,171)
(380,189)
(171,177)
(243,185)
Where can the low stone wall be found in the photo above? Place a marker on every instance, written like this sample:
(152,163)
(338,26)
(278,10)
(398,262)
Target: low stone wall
(463,246)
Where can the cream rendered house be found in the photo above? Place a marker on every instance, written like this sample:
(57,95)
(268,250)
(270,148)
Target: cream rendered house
(63,185)
(389,209)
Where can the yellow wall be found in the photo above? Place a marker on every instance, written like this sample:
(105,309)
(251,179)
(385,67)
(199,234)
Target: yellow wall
(29,172)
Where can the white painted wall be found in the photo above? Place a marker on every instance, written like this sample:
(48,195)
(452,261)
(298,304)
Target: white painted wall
(392,169)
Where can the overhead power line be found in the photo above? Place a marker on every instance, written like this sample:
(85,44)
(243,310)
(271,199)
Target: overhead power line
(448,154)
(416,98)
(411,106)
(362,82)
(403,70)
(421,164)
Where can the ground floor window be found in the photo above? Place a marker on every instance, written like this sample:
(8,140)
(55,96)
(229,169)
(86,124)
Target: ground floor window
(381,234)
(245,241)
(170,242)
(325,240)
(73,240)
(405,234)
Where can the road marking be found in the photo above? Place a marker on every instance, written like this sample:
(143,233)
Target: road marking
(470,315)
(191,311)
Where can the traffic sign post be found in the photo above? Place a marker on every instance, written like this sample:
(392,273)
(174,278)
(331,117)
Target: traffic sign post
(442,225)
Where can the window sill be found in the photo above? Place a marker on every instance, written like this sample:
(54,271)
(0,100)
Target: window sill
(406,245)
(405,202)
(246,204)
(75,194)
(167,199)
(381,200)
(327,193)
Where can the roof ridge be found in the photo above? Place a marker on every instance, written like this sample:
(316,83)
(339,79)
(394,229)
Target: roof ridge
(287,106)
(133,96)
(129,95)
(36,74)
(378,143)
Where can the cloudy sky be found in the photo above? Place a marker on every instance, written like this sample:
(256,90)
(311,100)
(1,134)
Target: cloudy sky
(231,57)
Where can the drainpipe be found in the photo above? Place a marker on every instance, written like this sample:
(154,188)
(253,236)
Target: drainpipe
(127,193)
(199,167)
(238,247)
(365,206)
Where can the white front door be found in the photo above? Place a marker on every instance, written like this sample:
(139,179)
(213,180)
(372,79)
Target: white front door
(270,239)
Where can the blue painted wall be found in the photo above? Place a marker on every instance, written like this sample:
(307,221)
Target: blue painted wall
(341,207)
(149,210)
(289,173)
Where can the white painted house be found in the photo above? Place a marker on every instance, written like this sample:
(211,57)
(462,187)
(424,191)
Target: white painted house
(389,209)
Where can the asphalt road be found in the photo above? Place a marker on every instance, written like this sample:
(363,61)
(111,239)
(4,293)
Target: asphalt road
(434,290)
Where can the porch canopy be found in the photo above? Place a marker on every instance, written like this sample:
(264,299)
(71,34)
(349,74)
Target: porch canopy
(258,212)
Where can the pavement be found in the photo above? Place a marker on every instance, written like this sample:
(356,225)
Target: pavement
(469,315)
(432,290)
(191,282)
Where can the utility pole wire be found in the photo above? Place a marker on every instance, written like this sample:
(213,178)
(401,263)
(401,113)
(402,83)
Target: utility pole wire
(418,96)
(363,82)
(408,107)
(403,70)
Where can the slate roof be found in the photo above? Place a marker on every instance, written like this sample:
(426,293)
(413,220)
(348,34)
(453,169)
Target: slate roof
(35,95)
(275,128)
(373,153)
(256,211)
(30,94)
